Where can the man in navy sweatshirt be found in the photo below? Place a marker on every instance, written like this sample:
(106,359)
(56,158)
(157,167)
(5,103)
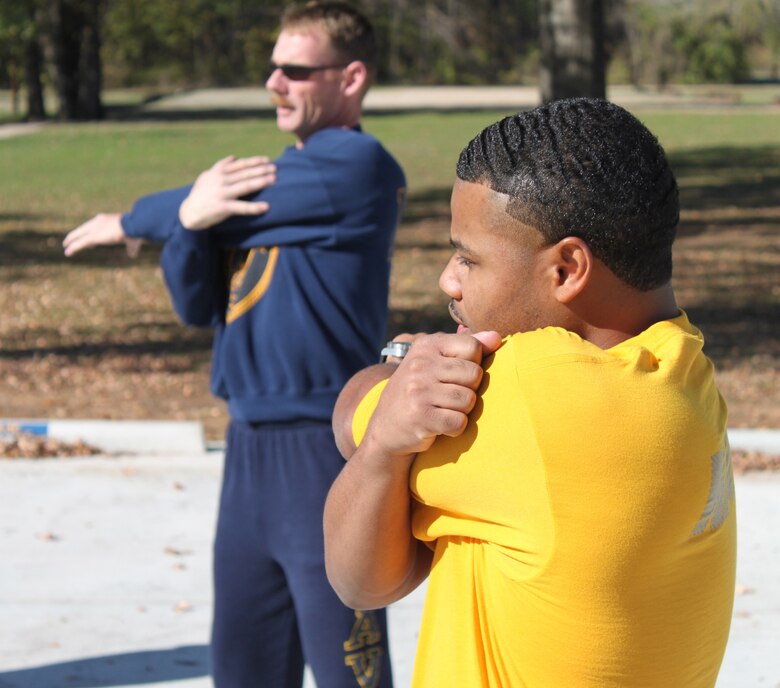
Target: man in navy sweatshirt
(289,262)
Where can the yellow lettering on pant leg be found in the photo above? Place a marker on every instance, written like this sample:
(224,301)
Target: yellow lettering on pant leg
(365,631)
(367,666)
(365,655)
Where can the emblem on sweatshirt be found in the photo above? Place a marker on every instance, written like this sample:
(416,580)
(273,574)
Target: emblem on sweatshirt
(721,492)
(250,274)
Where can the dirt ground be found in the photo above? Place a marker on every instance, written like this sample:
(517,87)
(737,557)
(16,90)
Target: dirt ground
(143,364)
(158,369)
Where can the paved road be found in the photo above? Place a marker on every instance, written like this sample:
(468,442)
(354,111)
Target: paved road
(404,98)
(105,571)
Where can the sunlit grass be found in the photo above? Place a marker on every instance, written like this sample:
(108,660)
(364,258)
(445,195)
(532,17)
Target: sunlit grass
(106,322)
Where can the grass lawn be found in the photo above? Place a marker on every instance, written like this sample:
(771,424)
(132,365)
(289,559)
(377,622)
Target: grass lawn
(94,336)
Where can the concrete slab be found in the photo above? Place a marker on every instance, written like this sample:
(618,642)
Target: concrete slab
(105,566)
(760,440)
(117,436)
(105,576)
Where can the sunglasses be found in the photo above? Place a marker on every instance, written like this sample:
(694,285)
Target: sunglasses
(295,72)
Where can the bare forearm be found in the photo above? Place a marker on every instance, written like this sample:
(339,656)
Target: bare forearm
(371,557)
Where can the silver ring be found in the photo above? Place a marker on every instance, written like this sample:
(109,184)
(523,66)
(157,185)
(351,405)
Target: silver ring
(394,349)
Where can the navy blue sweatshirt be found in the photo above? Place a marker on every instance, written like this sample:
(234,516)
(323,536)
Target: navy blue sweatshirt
(298,296)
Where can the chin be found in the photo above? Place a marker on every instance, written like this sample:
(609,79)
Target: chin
(281,125)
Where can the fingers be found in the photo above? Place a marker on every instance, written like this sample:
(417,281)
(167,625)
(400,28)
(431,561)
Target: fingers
(102,229)
(72,239)
(248,186)
(217,192)
(233,181)
(458,347)
(431,393)
(77,244)
(246,207)
(231,163)
(232,171)
(260,170)
(490,340)
(78,234)
(449,422)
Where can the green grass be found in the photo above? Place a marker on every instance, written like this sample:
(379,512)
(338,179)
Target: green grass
(72,170)
(82,338)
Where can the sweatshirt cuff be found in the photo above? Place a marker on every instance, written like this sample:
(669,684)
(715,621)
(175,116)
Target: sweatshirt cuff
(129,227)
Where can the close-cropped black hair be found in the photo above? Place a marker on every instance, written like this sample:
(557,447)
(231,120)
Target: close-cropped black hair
(584,167)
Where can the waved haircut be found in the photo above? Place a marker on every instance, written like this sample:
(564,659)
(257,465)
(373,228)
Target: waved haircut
(351,34)
(587,168)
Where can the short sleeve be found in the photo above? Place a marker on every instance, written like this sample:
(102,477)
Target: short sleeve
(365,409)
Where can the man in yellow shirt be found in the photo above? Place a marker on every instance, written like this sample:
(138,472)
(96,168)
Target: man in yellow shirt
(559,468)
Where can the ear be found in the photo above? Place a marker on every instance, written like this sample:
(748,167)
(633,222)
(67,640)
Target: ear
(355,78)
(574,263)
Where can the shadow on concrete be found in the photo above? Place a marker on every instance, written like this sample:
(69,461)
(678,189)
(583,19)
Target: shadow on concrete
(132,668)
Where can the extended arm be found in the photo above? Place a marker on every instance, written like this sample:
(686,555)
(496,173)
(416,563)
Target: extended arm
(371,556)
(215,195)
(103,229)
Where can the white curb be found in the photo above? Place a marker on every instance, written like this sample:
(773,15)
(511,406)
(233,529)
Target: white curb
(126,436)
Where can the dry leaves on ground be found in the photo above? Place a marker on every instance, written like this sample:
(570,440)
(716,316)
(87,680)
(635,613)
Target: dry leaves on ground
(27,446)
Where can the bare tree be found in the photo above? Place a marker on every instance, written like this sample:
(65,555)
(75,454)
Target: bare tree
(74,29)
(571,41)
(33,63)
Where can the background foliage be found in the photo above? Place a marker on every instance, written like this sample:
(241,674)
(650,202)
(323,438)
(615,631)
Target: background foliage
(189,43)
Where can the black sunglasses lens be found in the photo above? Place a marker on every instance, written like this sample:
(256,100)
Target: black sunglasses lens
(294,72)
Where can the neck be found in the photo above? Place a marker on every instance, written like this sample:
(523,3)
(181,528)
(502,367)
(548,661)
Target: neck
(348,118)
(622,316)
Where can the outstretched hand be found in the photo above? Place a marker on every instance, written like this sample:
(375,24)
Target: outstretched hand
(215,195)
(103,229)
(431,393)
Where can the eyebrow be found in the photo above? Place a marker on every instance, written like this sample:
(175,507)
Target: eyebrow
(459,246)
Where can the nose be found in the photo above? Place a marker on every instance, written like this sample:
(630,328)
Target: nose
(275,80)
(448,280)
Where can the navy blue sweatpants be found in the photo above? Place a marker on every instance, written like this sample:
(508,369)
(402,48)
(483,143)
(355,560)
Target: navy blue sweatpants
(274,609)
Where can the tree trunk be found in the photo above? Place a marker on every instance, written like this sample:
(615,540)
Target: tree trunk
(571,41)
(66,44)
(36,109)
(13,85)
(90,71)
(394,62)
(75,39)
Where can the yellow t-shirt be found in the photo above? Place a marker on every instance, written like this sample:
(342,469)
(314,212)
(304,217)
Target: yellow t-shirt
(584,524)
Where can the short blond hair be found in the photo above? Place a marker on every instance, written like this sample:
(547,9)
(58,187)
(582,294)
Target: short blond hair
(350,33)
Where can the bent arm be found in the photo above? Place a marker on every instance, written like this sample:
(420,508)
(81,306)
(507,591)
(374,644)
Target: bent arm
(371,555)
(194,274)
(349,398)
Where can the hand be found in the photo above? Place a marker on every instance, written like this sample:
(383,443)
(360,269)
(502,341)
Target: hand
(214,196)
(430,394)
(103,229)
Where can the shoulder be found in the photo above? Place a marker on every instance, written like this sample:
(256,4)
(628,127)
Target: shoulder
(548,340)
(547,346)
(349,145)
